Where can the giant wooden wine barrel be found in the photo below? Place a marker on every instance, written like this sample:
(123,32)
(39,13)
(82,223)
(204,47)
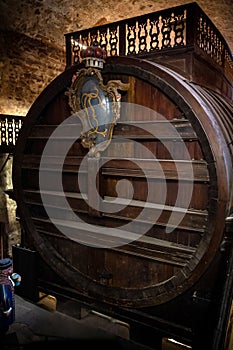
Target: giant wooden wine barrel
(167,170)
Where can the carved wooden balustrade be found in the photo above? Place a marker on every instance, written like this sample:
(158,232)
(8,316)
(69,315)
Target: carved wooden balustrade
(178,29)
(10,126)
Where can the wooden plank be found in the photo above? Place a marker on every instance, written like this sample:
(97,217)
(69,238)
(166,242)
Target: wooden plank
(112,207)
(150,248)
(75,200)
(32,160)
(132,167)
(159,129)
(155,169)
(45,131)
(181,128)
(192,219)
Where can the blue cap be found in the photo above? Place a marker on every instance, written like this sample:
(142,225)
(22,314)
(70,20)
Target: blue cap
(5,263)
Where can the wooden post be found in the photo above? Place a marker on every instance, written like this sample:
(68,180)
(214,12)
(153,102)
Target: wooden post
(94,188)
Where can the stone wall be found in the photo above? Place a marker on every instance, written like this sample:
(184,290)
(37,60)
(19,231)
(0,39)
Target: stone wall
(27,67)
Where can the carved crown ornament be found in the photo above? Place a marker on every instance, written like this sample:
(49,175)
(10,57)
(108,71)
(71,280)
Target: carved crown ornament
(97,105)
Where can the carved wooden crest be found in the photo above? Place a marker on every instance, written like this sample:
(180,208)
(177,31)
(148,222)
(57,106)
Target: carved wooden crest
(98,105)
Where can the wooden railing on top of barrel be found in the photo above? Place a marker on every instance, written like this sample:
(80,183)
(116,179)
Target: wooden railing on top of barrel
(177,28)
(10,126)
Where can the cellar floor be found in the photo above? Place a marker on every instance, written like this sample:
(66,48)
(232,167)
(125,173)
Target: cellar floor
(40,326)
